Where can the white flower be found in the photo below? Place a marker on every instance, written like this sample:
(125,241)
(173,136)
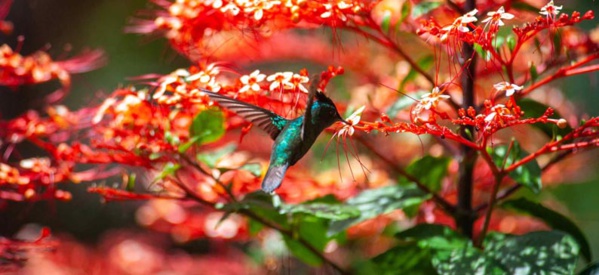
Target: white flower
(496,16)
(461,23)
(352,120)
(498,110)
(280,81)
(550,9)
(507,87)
(251,81)
(432,99)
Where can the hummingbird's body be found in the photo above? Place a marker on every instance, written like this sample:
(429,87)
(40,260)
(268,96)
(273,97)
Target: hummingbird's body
(293,138)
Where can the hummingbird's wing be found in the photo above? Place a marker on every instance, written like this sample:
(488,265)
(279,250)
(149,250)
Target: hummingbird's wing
(274,177)
(265,119)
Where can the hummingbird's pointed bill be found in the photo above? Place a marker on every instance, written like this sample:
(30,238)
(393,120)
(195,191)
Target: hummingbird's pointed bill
(293,138)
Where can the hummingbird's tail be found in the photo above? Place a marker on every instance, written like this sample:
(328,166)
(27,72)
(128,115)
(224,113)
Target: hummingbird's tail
(274,177)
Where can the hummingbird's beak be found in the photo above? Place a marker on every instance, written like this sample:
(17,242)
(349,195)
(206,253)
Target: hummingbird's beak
(343,121)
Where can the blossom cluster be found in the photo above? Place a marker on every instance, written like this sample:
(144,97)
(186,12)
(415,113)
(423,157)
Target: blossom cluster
(190,23)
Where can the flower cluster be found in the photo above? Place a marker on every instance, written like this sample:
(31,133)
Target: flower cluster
(17,70)
(189,23)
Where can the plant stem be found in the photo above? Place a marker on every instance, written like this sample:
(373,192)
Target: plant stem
(465,216)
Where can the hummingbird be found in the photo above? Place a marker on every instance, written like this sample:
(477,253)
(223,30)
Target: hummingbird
(292,138)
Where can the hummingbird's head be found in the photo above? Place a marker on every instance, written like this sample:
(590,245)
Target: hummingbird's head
(324,111)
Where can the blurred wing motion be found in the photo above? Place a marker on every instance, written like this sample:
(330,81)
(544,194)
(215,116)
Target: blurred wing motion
(265,119)
(274,177)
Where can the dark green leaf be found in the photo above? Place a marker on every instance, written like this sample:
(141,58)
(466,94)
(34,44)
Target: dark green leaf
(534,74)
(208,126)
(424,7)
(334,212)
(557,43)
(261,204)
(429,170)
(545,252)
(407,258)
(592,269)
(312,231)
(552,218)
(374,202)
(434,236)
(534,109)
(528,174)
(467,260)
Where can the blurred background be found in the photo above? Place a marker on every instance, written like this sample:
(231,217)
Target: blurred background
(66,27)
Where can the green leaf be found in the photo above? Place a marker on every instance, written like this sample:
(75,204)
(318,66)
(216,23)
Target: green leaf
(534,109)
(429,170)
(262,205)
(211,158)
(528,174)
(208,126)
(385,22)
(484,54)
(406,10)
(450,252)
(434,236)
(511,41)
(423,8)
(131,182)
(557,43)
(168,169)
(544,252)
(467,260)
(374,202)
(552,218)
(534,74)
(314,232)
(407,258)
(327,211)
(424,63)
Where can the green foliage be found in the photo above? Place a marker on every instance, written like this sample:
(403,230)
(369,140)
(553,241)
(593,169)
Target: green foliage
(333,212)
(548,252)
(424,7)
(552,218)
(207,126)
(374,202)
(545,252)
(425,63)
(429,170)
(528,174)
(535,109)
